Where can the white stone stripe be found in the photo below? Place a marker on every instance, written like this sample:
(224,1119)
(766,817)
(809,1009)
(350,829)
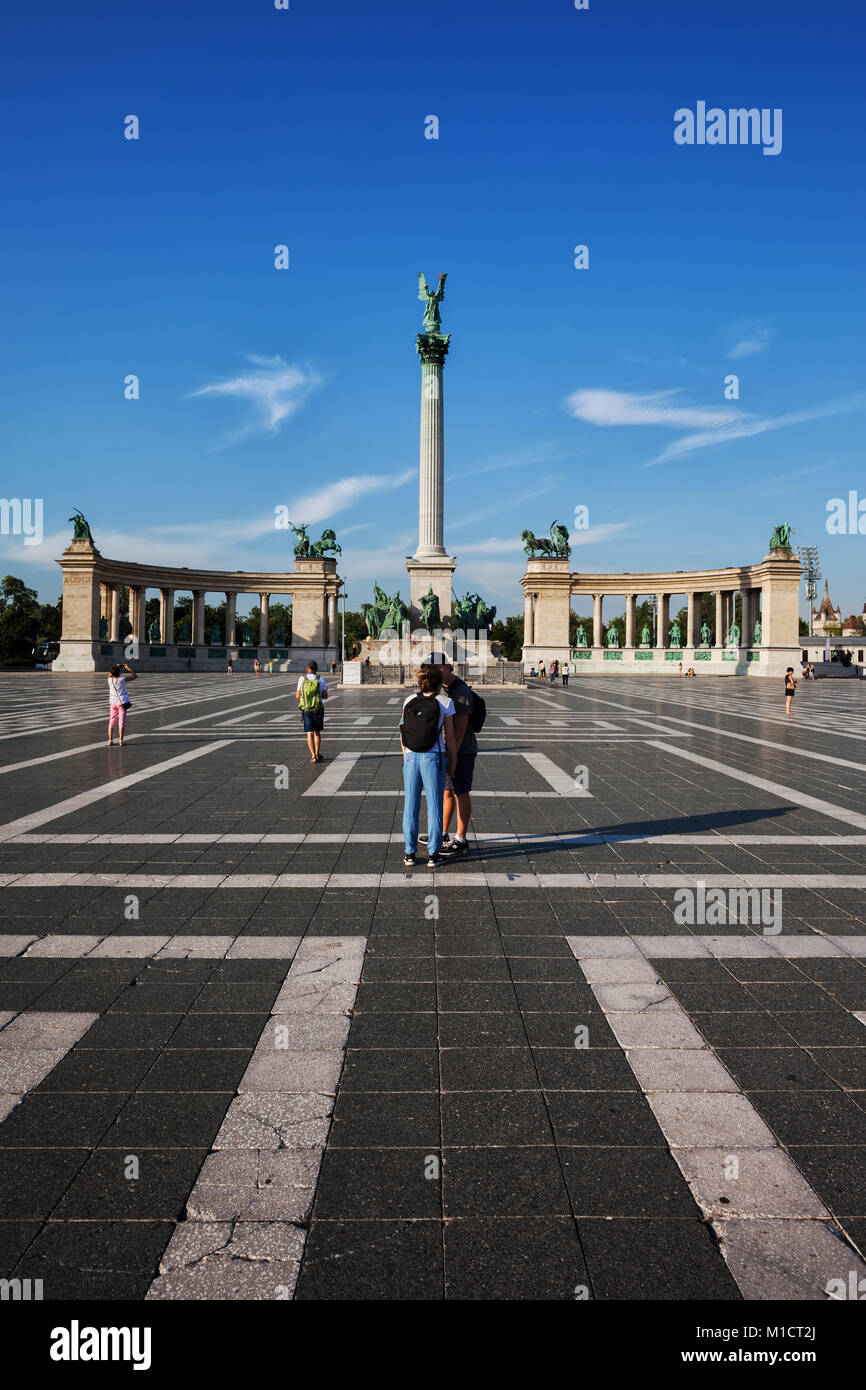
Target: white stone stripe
(178,947)
(118,784)
(717,947)
(560,781)
(334,775)
(567,838)
(244,1233)
(793,794)
(456,877)
(775,1233)
(31,1045)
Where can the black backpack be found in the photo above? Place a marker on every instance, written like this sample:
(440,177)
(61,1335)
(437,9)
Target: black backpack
(479,713)
(420,723)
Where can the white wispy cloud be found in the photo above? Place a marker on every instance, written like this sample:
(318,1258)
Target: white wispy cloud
(275,392)
(752,337)
(709,424)
(337,496)
(602,407)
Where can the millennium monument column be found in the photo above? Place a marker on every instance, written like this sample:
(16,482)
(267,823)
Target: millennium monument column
(431,566)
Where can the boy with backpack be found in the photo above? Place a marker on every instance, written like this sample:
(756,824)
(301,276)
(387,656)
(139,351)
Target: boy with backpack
(310,695)
(427,738)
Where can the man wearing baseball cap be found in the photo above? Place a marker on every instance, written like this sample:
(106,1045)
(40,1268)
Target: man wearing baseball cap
(458,784)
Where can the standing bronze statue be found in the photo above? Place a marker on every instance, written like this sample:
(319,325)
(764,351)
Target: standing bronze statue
(80,528)
(431,299)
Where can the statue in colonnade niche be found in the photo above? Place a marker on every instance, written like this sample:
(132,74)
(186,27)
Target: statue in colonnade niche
(278,635)
(612,636)
(675,636)
(215,635)
(103,626)
(706,635)
(153,631)
(645,636)
(733,635)
(125,628)
(758,632)
(580,636)
(183,632)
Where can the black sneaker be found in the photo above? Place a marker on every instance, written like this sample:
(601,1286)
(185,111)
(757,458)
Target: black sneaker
(409,861)
(455,848)
(446,840)
(434,861)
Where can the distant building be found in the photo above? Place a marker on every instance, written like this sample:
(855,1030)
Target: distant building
(826,616)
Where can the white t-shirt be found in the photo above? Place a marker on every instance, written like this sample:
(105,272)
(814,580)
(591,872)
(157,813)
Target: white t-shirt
(446,706)
(309,677)
(117,692)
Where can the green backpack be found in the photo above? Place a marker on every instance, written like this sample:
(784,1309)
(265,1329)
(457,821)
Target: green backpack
(311,695)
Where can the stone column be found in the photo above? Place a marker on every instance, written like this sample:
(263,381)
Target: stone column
(431,507)
(528,637)
(166,614)
(114,620)
(332,620)
(264,606)
(747,623)
(597,619)
(692,601)
(231,619)
(662,616)
(136,611)
(198,598)
(719,634)
(630,601)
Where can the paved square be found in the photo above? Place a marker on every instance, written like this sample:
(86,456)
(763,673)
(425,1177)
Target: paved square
(617,1052)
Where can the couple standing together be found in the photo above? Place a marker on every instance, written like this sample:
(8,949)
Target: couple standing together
(437,733)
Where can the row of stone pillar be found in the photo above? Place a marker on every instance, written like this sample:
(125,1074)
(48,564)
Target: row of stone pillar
(750,602)
(110,608)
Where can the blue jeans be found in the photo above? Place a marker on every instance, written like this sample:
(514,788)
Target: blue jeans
(427,769)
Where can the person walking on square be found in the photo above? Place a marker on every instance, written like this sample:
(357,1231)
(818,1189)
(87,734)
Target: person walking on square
(790,688)
(565,673)
(118,700)
(230,670)
(429,753)
(310,695)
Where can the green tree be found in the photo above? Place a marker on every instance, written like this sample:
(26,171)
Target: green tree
(19,619)
(508,632)
(356,633)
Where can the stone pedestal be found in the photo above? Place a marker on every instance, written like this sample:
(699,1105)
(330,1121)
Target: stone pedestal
(547,590)
(433,572)
(311,640)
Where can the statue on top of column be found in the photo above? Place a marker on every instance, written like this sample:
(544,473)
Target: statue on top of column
(328,542)
(80,528)
(431,299)
(302,549)
(557,548)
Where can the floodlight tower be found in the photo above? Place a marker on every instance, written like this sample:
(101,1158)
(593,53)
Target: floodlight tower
(811,573)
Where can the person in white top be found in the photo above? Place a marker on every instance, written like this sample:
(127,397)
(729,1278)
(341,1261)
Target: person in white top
(565,673)
(118,700)
(429,749)
(310,695)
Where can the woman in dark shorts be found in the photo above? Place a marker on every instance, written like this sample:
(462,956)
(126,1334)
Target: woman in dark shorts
(790,688)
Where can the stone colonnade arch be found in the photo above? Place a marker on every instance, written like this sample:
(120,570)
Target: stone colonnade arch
(765,643)
(95,636)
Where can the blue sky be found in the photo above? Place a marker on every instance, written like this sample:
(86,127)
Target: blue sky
(601,387)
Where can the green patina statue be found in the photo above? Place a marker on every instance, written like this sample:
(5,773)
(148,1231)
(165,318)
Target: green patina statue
(302,549)
(645,636)
(781,537)
(215,635)
(472,614)
(733,635)
(103,627)
(430,610)
(431,300)
(384,612)
(675,637)
(706,635)
(612,636)
(556,548)
(758,632)
(153,631)
(320,548)
(580,636)
(80,528)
